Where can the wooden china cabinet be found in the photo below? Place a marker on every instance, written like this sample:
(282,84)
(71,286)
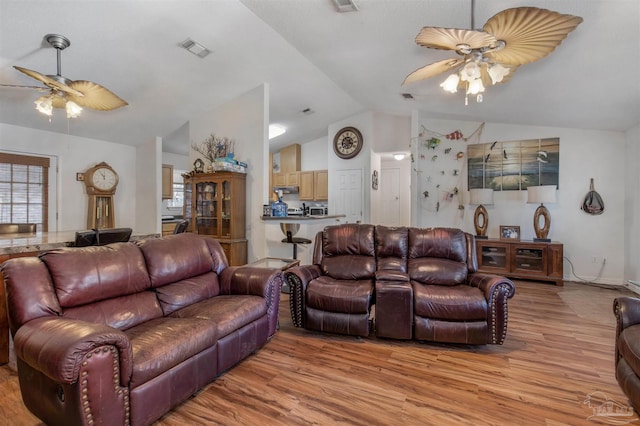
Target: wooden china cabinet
(215,204)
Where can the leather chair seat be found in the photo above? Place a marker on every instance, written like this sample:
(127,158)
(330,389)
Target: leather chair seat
(344,296)
(459,303)
(151,353)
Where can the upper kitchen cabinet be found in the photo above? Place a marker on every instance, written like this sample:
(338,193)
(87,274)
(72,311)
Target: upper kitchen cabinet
(314,185)
(290,158)
(167,181)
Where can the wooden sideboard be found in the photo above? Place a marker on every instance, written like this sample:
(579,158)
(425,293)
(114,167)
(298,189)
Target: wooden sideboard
(527,260)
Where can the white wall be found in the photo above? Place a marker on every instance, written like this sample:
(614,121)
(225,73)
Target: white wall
(632,207)
(246,120)
(314,155)
(584,154)
(76,155)
(148,200)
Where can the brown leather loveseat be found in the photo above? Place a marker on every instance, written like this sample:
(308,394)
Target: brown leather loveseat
(120,334)
(423,283)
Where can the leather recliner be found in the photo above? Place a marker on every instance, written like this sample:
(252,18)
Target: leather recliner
(627,347)
(426,285)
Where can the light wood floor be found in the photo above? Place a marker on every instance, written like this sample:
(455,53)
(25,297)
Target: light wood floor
(557,355)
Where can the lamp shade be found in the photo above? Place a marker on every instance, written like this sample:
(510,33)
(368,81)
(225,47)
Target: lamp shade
(541,194)
(479,196)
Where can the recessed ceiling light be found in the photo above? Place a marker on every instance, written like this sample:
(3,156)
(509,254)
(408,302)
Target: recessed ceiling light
(195,48)
(399,156)
(276,130)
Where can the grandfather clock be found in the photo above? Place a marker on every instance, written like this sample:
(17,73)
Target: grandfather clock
(101,181)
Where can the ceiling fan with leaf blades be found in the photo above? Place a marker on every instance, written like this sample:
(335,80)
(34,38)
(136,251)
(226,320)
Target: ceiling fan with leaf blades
(65,93)
(489,56)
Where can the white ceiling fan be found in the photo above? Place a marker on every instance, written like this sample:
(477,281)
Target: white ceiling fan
(489,56)
(65,93)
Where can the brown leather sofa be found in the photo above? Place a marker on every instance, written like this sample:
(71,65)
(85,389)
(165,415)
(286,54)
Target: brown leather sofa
(423,282)
(120,334)
(627,350)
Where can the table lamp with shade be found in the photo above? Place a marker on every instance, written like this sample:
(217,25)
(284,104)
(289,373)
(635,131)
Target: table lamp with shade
(481,197)
(541,194)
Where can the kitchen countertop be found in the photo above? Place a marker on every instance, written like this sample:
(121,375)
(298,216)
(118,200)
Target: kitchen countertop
(11,244)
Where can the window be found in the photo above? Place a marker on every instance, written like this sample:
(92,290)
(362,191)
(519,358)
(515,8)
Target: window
(24,190)
(178,190)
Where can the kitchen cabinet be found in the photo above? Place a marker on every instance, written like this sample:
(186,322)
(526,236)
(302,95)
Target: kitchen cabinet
(290,158)
(215,204)
(521,259)
(306,190)
(314,185)
(286,179)
(167,181)
(321,185)
(168,227)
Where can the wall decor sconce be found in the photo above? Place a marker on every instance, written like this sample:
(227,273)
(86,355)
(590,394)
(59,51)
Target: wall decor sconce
(541,194)
(481,197)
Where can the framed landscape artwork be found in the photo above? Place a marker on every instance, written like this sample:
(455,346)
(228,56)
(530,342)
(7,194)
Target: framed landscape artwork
(515,165)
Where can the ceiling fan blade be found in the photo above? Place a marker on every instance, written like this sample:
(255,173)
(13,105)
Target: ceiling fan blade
(56,85)
(95,96)
(530,33)
(453,38)
(433,69)
(22,86)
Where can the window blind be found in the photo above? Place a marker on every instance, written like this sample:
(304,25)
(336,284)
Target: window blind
(24,190)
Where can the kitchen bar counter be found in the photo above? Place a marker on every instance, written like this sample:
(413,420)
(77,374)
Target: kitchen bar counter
(11,244)
(303,218)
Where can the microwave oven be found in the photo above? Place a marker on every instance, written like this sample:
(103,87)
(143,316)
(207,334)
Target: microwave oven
(317,211)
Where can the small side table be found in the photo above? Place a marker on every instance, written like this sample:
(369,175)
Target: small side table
(276,263)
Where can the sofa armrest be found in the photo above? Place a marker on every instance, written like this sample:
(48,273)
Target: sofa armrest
(627,312)
(390,275)
(298,277)
(58,346)
(249,280)
(497,290)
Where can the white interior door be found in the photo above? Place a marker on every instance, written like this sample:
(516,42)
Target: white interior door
(350,198)
(390,191)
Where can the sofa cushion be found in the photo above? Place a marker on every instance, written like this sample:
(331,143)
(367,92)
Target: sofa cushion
(459,303)
(176,257)
(186,292)
(629,347)
(227,313)
(392,248)
(348,252)
(443,243)
(89,274)
(119,312)
(163,343)
(344,296)
(437,271)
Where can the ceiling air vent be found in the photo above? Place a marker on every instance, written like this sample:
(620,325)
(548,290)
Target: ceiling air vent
(407,96)
(346,6)
(195,48)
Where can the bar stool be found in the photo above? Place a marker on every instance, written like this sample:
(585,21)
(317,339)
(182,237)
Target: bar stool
(291,229)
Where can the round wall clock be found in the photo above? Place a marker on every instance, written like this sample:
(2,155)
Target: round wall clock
(104,178)
(347,143)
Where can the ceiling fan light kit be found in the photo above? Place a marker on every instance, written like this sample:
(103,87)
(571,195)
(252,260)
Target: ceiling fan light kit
(509,39)
(69,94)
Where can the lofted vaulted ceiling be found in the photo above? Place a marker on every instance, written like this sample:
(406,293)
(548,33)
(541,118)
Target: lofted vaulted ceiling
(335,64)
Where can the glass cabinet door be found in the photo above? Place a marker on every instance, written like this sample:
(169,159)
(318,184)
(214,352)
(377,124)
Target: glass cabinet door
(226,209)
(207,208)
(188,199)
